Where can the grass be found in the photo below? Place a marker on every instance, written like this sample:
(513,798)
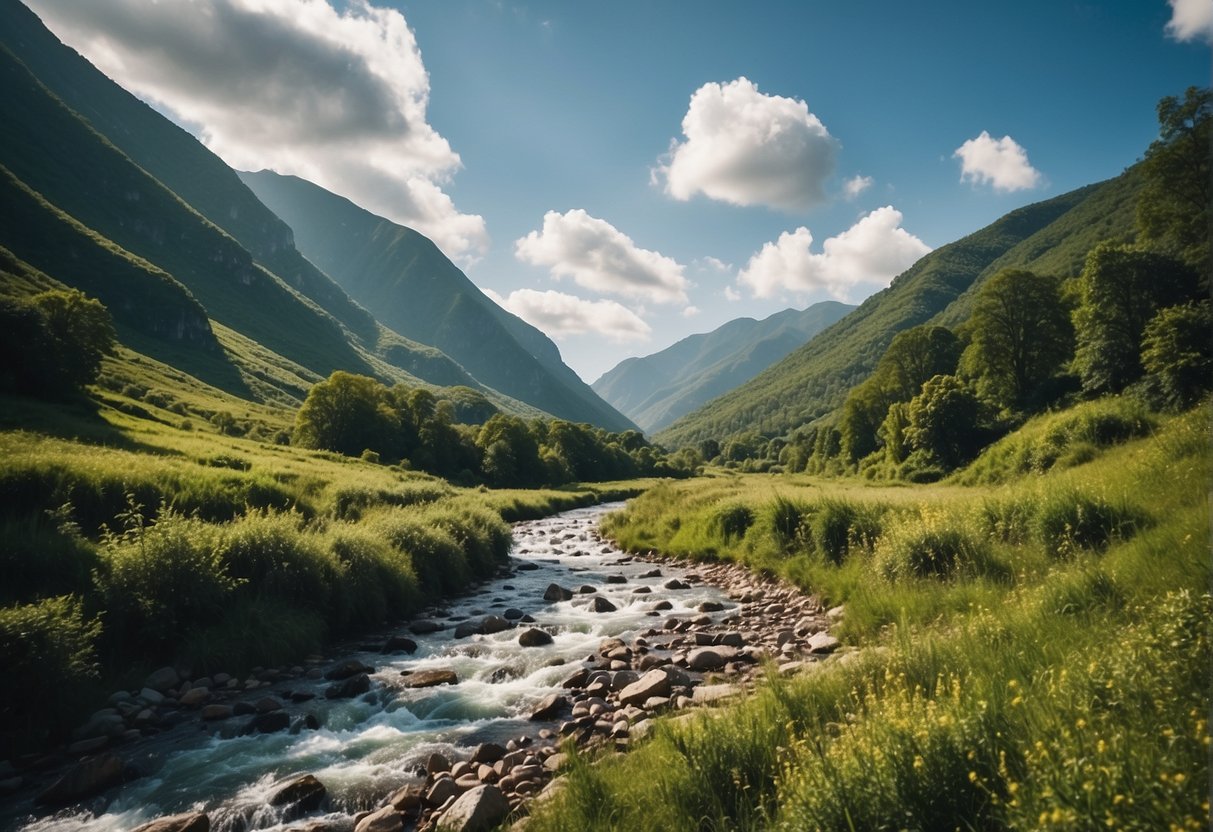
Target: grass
(1054,675)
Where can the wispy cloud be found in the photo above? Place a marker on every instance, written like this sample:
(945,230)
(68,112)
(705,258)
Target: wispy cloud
(1191,20)
(561,315)
(856,185)
(600,257)
(297,86)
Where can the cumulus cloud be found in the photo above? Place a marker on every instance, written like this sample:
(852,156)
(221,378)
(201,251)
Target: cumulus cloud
(856,185)
(598,256)
(711,264)
(561,315)
(851,265)
(336,97)
(747,148)
(1002,163)
(1191,20)
(690,312)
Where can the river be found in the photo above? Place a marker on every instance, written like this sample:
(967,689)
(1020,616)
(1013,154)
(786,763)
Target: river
(367,746)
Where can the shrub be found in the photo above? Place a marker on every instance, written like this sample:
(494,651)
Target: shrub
(438,559)
(838,526)
(252,633)
(783,518)
(731,522)
(48,655)
(274,558)
(932,545)
(1069,520)
(160,580)
(380,582)
(42,557)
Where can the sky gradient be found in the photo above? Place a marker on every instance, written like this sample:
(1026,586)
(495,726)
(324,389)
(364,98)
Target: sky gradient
(625,174)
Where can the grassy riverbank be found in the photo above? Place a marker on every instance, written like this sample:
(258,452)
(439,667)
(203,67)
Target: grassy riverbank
(1036,655)
(131,540)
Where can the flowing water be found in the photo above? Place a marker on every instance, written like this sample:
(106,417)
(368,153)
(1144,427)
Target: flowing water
(368,746)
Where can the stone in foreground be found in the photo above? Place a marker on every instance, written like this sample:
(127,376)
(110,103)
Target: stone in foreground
(431,678)
(188,822)
(478,810)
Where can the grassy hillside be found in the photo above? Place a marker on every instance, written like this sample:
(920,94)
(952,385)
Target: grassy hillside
(1032,657)
(417,291)
(655,390)
(814,380)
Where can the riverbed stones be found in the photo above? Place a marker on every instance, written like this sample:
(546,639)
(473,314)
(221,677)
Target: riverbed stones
(478,810)
(555,592)
(399,644)
(188,822)
(491,624)
(549,707)
(424,627)
(216,711)
(653,683)
(431,678)
(442,790)
(465,629)
(823,643)
(386,819)
(534,637)
(300,796)
(349,688)
(162,680)
(87,778)
(269,723)
(600,604)
(487,752)
(346,669)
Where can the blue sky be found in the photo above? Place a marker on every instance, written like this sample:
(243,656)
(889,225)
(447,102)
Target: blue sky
(552,124)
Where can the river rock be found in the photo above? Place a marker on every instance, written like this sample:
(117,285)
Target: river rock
(216,711)
(188,822)
(653,683)
(600,604)
(162,680)
(493,624)
(87,778)
(705,658)
(424,627)
(464,629)
(386,819)
(431,678)
(555,592)
(267,705)
(300,796)
(704,694)
(443,789)
(349,688)
(399,644)
(674,583)
(436,764)
(823,642)
(577,679)
(548,707)
(534,637)
(346,669)
(616,579)
(269,723)
(478,810)
(487,752)
(512,614)
(710,606)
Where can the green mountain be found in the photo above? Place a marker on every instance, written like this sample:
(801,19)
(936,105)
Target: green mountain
(656,389)
(1051,236)
(418,292)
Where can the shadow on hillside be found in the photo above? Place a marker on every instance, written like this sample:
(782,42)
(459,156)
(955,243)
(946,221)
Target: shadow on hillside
(78,418)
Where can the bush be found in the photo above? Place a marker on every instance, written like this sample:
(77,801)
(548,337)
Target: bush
(48,655)
(274,558)
(1068,521)
(350,501)
(42,557)
(380,582)
(731,522)
(932,546)
(252,633)
(160,580)
(783,518)
(839,526)
(437,558)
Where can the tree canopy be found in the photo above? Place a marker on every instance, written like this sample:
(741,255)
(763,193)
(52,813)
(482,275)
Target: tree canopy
(53,342)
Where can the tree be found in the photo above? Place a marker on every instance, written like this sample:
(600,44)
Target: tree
(1122,288)
(945,421)
(1021,335)
(54,342)
(346,413)
(1173,211)
(1176,354)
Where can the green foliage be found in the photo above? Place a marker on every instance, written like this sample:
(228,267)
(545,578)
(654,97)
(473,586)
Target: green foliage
(733,521)
(1174,211)
(945,421)
(1122,289)
(44,556)
(270,555)
(1021,335)
(1067,521)
(1177,354)
(53,342)
(841,526)
(345,413)
(932,545)
(48,653)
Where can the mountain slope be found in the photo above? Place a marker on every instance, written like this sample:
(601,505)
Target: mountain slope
(657,389)
(813,380)
(417,291)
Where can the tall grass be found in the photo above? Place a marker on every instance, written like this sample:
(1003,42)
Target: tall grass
(1043,662)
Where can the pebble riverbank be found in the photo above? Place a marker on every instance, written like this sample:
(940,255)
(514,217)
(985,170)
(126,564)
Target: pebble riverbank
(690,656)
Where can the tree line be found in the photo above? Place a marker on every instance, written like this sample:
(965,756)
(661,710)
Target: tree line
(359,416)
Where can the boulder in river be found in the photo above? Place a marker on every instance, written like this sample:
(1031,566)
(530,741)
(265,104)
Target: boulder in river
(653,683)
(399,644)
(431,678)
(424,627)
(555,592)
(386,819)
(346,669)
(488,752)
(534,637)
(300,796)
(87,778)
(466,628)
(549,707)
(477,810)
(349,688)
(188,822)
(162,679)
(600,604)
(269,723)
(493,624)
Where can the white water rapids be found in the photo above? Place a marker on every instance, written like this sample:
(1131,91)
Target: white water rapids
(368,746)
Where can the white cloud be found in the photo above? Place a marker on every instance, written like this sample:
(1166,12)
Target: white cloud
(336,97)
(598,256)
(856,185)
(561,315)
(690,312)
(1191,20)
(748,148)
(851,265)
(1002,163)
(731,294)
(711,264)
